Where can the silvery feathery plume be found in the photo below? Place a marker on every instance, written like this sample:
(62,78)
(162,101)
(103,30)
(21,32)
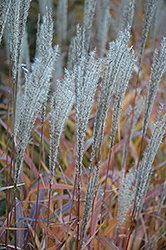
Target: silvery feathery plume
(87,76)
(157,69)
(126,193)
(127,63)
(44,5)
(128,14)
(156,20)
(71,55)
(106,92)
(36,87)
(125,14)
(149,8)
(4,9)
(102,109)
(114,66)
(103,25)
(62,20)
(61,104)
(129,130)
(77,48)
(17,18)
(145,170)
(89,10)
(119,48)
(87,72)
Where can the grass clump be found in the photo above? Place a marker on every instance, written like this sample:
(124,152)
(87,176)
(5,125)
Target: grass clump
(82,125)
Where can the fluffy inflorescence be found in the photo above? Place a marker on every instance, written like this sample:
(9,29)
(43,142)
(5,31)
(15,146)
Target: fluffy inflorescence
(36,87)
(149,8)
(87,70)
(61,104)
(128,14)
(146,169)
(17,18)
(133,189)
(118,67)
(86,80)
(122,70)
(4,9)
(157,69)
(127,191)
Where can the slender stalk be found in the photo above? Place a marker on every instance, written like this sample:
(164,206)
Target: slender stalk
(74,189)
(15,185)
(37,201)
(13,151)
(33,148)
(130,232)
(75,181)
(105,187)
(78,209)
(7,210)
(48,215)
(98,160)
(7,154)
(92,219)
(49,201)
